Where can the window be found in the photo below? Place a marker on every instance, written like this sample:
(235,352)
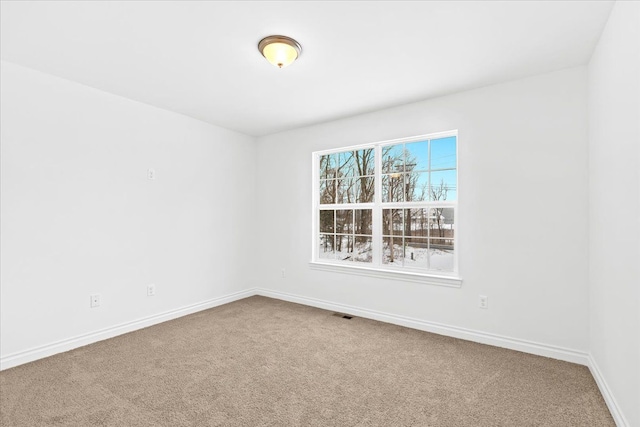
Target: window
(389,206)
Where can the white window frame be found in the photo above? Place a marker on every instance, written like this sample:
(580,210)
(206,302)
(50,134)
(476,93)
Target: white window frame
(376,268)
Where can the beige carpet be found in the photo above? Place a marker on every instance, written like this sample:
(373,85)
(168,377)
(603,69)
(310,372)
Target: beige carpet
(264,362)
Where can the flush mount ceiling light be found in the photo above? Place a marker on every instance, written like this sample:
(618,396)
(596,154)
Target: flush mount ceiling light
(280,50)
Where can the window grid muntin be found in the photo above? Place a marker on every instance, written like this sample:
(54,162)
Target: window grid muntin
(430,237)
(353,235)
(429,170)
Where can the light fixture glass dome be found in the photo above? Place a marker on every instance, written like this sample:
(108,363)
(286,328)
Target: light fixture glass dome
(279,50)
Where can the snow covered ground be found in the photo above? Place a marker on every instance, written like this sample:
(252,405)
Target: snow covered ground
(420,257)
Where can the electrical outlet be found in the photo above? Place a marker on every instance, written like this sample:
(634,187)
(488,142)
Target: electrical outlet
(483,301)
(95,300)
(151,173)
(283,272)
(151,290)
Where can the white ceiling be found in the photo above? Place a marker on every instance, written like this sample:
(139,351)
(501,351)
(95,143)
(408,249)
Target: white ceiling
(201,59)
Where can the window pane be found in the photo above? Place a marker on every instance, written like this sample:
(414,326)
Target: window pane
(326,248)
(344,247)
(445,245)
(363,221)
(326,221)
(441,254)
(443,153)
(362,251)
(417,156)
(364,161)
(344,221)
(327,191)
(346,164)
(392,222)
(346,191)
(416,253)
(442,223)
(393,158)
(327,166)
(392,251)
(417,186)
(443,185)
(392,188)
(417,222)
(363,189)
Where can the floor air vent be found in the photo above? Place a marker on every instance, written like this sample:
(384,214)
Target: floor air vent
(344,316)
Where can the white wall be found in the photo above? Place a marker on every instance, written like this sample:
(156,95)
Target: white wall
(80,217)
(522,219)
(614,208)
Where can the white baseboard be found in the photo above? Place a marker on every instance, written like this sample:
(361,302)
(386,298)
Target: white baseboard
(560,353)
(47,350)
(531,347)
(36,353)
(525,346)
(616,413)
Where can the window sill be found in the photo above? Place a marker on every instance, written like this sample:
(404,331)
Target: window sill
(424,278)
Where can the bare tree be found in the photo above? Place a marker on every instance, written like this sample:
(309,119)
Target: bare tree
(364,165)
(439,192)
